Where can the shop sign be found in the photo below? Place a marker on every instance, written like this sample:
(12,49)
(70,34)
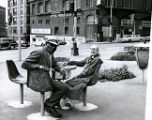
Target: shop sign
(40,31)
(126,22)
(61,15)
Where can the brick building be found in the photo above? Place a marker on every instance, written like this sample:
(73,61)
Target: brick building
(54,19)
(3,32)
(24,20)
(128,17)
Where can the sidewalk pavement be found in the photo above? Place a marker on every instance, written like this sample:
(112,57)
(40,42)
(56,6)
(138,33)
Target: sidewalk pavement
(124,100)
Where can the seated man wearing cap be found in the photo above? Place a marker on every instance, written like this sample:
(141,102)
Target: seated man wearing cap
(39,65)
(80,81)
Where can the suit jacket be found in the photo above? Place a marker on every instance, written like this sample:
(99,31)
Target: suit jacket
(40,80)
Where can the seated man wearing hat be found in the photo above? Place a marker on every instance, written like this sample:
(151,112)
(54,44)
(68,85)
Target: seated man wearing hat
(39,65)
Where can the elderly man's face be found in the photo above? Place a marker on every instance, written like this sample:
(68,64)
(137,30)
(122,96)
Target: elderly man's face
(94,51)
(51,48)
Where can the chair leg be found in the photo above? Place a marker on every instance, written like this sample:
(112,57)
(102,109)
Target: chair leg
(42,103)
(85,96)
(21,93)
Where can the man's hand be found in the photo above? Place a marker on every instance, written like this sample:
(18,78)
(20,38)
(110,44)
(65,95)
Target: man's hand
(42,67)
(63,73)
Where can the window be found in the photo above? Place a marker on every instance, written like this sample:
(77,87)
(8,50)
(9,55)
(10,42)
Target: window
(15,30)
(66,30)
(67,5)
(89,3)
(39,21)
(47,7)
(14,2)
(47,21)
(21,2)
(21,11)
(14,11)
(78,4)
(15,20)
(21,30)
(33,39)
(78,19)
(33,21)
(33,9)
(56,30)
(67,20)
(40,8)
(78,30)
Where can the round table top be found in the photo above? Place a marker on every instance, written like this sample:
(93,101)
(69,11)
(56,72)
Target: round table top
(73,67)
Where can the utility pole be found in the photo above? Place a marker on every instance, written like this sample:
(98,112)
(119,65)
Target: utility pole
(64,23)
(111,10)
(74,50)
(19,27)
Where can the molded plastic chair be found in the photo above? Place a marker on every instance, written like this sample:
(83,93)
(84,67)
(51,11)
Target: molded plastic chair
(16,77)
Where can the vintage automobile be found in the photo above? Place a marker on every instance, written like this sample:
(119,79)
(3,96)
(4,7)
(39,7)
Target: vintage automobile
(132,38)
(7,43)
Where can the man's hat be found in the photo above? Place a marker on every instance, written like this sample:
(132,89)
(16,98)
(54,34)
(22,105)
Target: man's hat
(52,42)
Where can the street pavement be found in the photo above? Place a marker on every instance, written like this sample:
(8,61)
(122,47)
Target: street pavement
(124,100)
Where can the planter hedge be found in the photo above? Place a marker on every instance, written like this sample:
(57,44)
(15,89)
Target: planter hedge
(116,74)
(124,56)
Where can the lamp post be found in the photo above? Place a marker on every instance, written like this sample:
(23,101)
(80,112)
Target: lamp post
(110,27)
(64,25)
(19,27)
(142,56)
(74,49)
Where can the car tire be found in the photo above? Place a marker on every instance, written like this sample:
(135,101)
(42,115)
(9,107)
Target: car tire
(12,47)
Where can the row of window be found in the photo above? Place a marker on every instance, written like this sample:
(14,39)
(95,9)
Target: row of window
(66,30)
(13,2)
(48,21)
(126,3)
(67,5)
(14,30)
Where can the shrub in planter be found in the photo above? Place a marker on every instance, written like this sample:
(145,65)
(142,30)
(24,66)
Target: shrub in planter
(116,74)
(130,49)
(124,56)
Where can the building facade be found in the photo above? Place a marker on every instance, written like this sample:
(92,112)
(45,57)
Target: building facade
(3,32)
(129,17)
(13,16)
(54,19)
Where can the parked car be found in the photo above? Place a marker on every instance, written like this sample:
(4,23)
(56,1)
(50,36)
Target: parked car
(132,38)
(7,43)
(25,44)
(146,38)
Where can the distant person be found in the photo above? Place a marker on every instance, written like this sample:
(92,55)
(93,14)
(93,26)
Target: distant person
(39,65)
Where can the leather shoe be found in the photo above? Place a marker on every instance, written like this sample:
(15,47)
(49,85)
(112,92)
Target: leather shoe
(52,111)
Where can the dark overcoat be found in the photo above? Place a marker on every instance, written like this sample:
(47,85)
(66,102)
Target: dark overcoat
(37,79)
(84,78)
